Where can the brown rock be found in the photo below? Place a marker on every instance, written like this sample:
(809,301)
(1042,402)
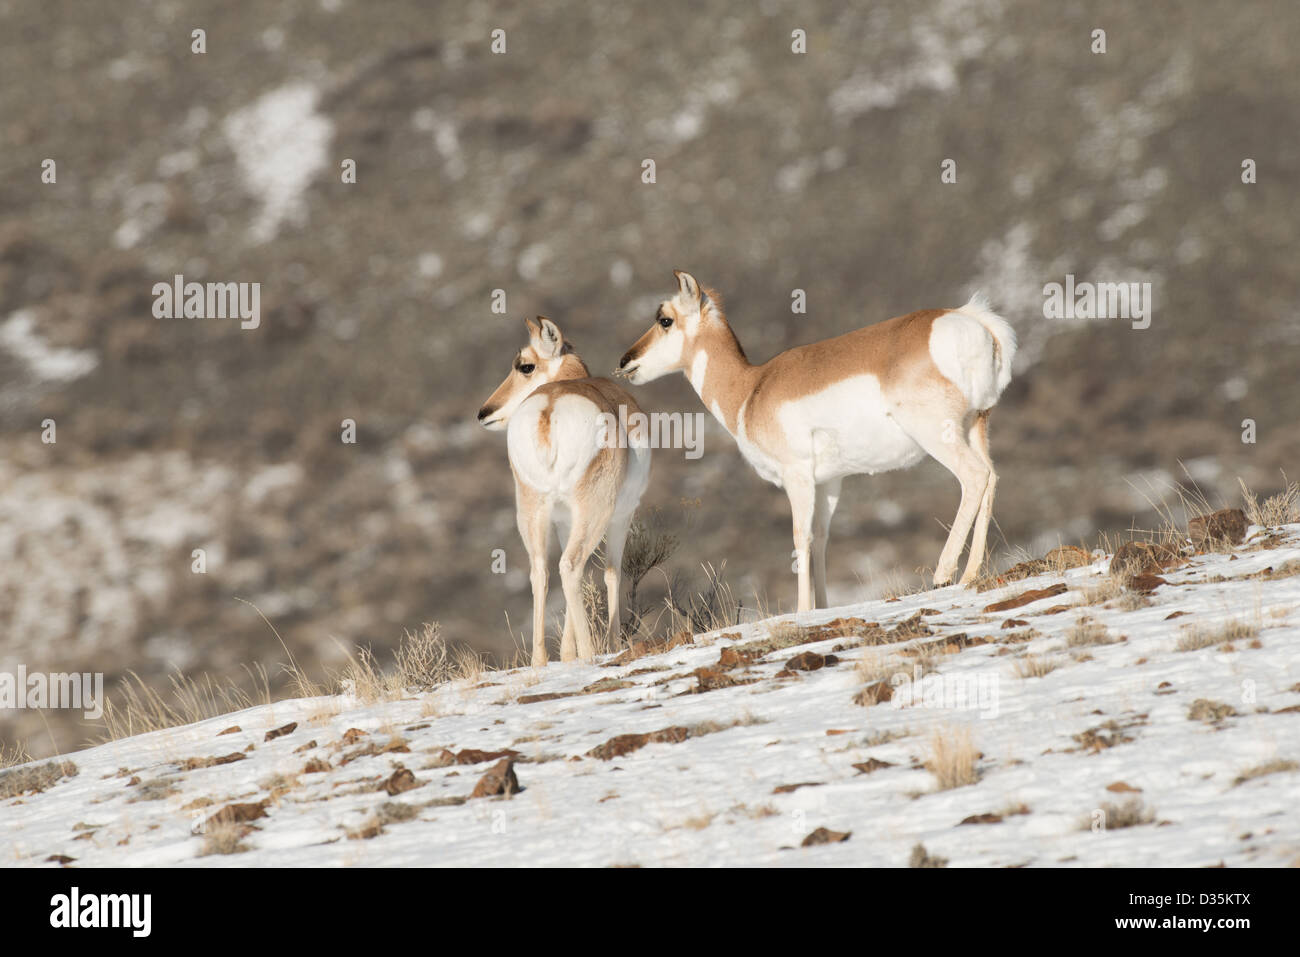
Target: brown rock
(239,813)
(235,729)
(874,694)
(545,696)
(1014,623)
(274,733)
(316,766)
(1120,787)
(1226,526)
(810,661)
(989,818)
(400,780)
(353,735)
(471,756)
(1143,558)
(825,836)
(305,747)
(499,779)
(1067,556)
(1024,598)
(788,788)
(623,744)
(872,764)
(1144,584)
(194,764)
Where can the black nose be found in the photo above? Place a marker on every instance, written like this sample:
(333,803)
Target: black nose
(622,363)
(484,412)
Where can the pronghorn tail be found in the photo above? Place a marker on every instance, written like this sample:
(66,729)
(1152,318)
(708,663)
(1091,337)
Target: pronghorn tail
(976,354)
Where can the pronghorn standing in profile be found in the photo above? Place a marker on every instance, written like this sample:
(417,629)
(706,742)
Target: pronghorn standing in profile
(568,470)
(873,400)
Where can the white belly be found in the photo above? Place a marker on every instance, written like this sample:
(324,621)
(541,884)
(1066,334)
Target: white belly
(846,429)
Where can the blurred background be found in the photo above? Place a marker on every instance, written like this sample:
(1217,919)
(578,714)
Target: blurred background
(522,171)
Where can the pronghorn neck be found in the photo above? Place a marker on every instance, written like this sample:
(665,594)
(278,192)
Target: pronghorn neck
(571,367)
(720,372)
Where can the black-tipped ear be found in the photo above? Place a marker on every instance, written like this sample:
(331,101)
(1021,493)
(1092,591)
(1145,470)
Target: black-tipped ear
(686,284)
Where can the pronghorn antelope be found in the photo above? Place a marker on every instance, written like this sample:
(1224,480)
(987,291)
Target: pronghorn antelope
(568,471)
(873,400)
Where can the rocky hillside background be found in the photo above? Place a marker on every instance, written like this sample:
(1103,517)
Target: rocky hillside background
(522,171)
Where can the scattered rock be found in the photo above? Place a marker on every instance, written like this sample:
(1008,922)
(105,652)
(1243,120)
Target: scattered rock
(788,788)
(305,747)
(872,764)
(1143,558)
(1226,526)
(810,661)
(353,735)
(874,694)
(499,779)
(400,780)
(989,818)
(239,813)
(544,696)
(234,729)
(316,766)
(1144,584)
(1014,623)
(1024,598)
(1120,787)
(825,836)
(280,732)
(623,744)
(1067,556)
(472,756)
(194,764)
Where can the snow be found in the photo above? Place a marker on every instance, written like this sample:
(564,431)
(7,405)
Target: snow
(709,800)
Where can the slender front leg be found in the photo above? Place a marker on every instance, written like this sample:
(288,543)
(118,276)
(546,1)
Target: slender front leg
(828,496)
(534,518)
(802,492)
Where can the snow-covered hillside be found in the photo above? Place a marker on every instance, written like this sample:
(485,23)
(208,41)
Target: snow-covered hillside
(1194,748)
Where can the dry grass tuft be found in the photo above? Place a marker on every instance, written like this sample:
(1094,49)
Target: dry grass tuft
(953,757)
(35,778)
(1196,637)
(1277,766)
(1086,632)
(1032,666)
(1280,509)
(224,838)
(1114,817)
(920,857)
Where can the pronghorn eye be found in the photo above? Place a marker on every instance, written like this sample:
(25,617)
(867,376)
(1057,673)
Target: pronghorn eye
(527,369)
(665,321)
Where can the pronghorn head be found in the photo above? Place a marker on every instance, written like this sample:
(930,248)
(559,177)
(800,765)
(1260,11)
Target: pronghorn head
(547,357)
(670,344)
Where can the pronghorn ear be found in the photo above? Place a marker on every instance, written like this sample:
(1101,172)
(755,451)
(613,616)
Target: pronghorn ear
(686,284)
(534,330)
(549,341)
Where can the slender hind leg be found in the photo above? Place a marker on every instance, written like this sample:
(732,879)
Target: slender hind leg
(615,538)
(943,433)
(979,441)
(828,496)
(586,533)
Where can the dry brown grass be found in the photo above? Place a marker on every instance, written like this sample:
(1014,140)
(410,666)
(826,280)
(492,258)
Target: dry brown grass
(1033,666)
(1277,766)
(224,838)
(138,708)
(1280,509)
(13,756)
(953,758)
(920,857)
(1086,632)
(34,778)
(1132,813)
(1196,637)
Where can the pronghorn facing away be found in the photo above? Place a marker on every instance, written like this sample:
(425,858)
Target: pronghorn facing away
(869,401)
(568,470)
